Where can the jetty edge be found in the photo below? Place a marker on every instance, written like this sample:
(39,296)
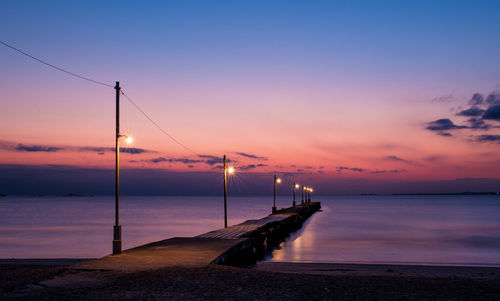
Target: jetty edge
(237,245)
(265,238)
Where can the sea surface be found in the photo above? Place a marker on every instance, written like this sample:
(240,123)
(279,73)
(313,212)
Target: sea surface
(435,230)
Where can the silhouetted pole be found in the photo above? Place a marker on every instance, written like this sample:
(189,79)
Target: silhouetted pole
(225,193)
(274,199)
(302,201)
(117,229)
(294,193)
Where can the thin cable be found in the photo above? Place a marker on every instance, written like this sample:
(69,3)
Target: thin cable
(159,127)
(55,67)
(104,84)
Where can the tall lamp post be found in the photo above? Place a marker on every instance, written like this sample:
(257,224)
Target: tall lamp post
(295,186)
(227,170)
(310,193)
(276,181)
(117,228)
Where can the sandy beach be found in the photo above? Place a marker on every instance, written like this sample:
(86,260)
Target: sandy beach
(56,280)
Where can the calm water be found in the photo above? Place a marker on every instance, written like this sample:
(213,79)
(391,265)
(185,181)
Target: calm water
(82,227)
(461,230)
(436,230)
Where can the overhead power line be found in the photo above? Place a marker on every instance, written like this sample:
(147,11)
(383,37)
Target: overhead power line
(103,84)
(55,67)
(156,124)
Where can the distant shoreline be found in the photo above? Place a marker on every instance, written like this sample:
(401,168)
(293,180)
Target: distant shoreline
(450,193)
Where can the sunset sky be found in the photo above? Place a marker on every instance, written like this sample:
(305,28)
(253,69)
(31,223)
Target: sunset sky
(350,96)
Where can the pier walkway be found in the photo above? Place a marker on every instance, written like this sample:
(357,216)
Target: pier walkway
(236,245)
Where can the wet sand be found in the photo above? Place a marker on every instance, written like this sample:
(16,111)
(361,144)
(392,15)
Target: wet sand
(266,281)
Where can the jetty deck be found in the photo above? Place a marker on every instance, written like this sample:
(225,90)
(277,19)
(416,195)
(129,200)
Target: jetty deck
(236,245)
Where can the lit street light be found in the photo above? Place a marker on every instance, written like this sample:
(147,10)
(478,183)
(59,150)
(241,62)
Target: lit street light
(276,181)
(308,194)
(227,170)
(295,187)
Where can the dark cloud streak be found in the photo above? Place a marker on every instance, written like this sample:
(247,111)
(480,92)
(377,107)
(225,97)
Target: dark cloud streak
(488,138)
(251,156)
(492,113)
(444,124)
(37,148)
(471,112)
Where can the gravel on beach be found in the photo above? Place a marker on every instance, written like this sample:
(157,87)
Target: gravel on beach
(213,282)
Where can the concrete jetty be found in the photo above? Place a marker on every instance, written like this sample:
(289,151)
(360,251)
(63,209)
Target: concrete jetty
(236,245)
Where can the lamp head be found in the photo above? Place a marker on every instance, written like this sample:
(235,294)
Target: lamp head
(278,180)
(231,170)
(297,186)
(129,139)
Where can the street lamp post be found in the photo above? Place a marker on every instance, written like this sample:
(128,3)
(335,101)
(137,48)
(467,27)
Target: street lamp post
(295,186)
(225,193)
(302,201)
(229,170)
(276,181)
(117,228)
(310,193)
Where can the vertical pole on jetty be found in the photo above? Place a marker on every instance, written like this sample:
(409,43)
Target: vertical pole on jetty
(302,202)
(274,195)
(225,192)
(117,229)
(294,186)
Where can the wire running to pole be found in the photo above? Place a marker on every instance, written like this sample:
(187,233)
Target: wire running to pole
(156,124)
(103,84)
(55,67)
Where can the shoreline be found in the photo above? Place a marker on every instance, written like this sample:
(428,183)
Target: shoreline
(312,268)
(392,270)
(20,280)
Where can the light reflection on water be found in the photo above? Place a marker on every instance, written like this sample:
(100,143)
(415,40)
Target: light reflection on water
(372,229)
(440,230)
